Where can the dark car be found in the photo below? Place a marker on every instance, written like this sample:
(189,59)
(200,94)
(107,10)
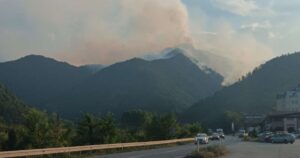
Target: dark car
(265,136)
(222,135)
(215,136)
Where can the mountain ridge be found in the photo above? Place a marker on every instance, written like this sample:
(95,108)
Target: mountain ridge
(253,94)
(140,84)
(33,78)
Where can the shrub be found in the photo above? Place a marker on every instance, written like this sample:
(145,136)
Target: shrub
(209,152)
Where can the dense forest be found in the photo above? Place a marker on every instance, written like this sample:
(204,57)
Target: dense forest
(24,127)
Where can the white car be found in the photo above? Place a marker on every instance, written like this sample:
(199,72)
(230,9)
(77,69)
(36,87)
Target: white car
(201,138)
(242,134)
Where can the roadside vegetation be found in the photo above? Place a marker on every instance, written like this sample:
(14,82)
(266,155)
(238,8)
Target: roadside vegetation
(38,129)
(209,152)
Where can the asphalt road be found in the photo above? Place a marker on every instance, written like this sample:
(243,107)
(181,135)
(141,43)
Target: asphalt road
(263,150)
(179,151)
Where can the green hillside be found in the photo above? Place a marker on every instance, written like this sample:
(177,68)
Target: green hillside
(35,78)
(11,109)
(253,94)
(162,85)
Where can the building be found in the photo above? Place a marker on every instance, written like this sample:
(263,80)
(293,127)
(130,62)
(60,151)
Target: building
(289,101)
(284,121)
(286,116)
(254,122)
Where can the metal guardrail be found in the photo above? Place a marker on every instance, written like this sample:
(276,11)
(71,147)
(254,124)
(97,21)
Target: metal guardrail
(49,151)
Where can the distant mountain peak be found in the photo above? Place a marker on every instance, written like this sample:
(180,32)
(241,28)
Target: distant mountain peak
(165,54)
(93,68)
(131,61)
(35,78)
(36,59)
(175,52)
(34,56)
(40,60)
(180,56)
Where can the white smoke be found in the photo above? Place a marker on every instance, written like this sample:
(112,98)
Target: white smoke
(107,31)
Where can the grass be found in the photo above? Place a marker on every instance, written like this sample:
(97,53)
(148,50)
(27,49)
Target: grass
(250,139)
(209,152)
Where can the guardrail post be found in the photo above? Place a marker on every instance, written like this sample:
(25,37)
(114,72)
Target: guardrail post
(198,145)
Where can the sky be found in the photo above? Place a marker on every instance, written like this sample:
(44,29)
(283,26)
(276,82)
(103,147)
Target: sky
(248,32)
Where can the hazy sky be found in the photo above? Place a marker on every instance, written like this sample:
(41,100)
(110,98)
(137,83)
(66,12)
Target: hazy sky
(107,31)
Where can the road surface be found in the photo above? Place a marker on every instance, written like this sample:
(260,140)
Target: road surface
(263,150)
(179,151)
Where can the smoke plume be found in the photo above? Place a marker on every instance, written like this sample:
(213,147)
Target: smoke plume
(108,31)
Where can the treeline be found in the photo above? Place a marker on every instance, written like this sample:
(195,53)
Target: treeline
(41,130)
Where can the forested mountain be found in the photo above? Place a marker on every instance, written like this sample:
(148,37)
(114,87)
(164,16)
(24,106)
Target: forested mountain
(35,79)
(162,85)
(11,109)
(24,127)
(255,93)
(92,68)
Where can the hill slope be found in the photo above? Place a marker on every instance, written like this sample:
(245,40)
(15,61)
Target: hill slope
(255,93)
(35,79)
(162,85)
(92,68)
(11,109)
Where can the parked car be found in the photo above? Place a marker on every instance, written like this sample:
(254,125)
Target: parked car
(283,138)
(219,130)
(242,133)
(215,136)
(297,134)
(201,138)
(221,133)
(265,136)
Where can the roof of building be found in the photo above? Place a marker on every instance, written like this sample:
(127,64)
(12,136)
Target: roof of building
(284,114)
(254,119)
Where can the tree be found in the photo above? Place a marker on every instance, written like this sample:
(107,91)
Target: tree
(17,137)
(37,125)
(107,129)
(59,134)
(3,135)
(86,129)
(96,130)
(135,122)
(236,117)
(162,127)
(42,130)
